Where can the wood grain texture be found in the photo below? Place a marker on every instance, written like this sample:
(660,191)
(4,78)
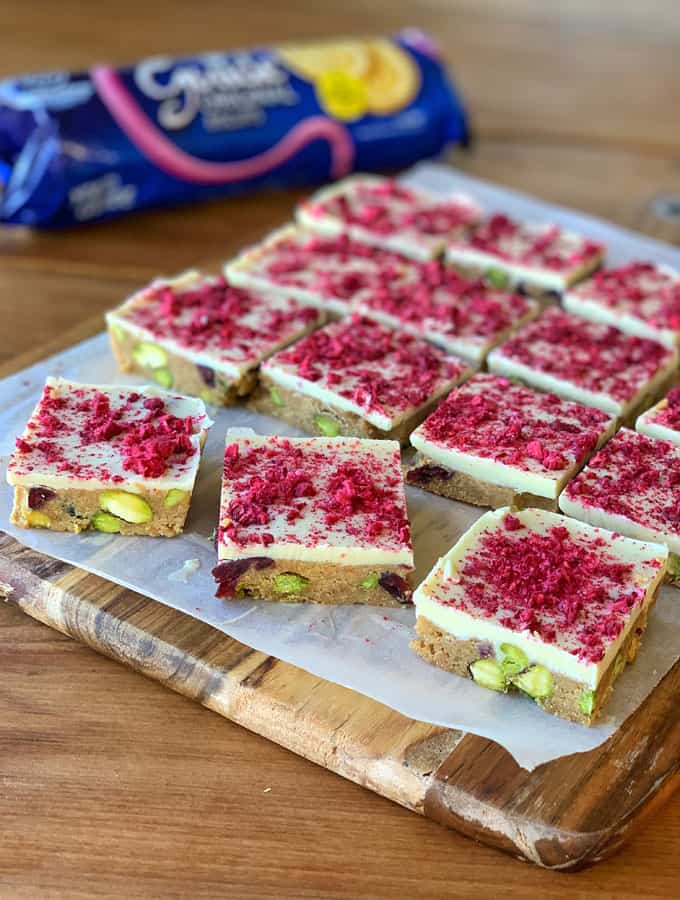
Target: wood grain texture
(111,786)
(564,815)
(574,72)
(209,233)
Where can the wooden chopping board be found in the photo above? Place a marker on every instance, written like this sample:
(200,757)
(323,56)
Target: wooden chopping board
(566,814)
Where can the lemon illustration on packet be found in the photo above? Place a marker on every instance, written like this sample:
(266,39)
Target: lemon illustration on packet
(353,78)
(341,95)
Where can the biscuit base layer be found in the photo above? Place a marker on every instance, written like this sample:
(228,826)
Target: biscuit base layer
(304,412)
(294,581)
(176,372)
(74,509)
(454,655)
(424,473)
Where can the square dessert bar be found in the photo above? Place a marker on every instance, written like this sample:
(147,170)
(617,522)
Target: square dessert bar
(533,602)
(462,315)
(495,443)
(327,272)
(199,335)
(632,486)
(663,420)
(112,458)
(584,361)
(640,298)
(386,213)
(313,519)
(356,377)
(537,257)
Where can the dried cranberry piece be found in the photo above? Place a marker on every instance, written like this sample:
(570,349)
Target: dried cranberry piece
(485,650)
(423,474)
(396,587)
(38,496)
(227,574)
(226,571)
(207,374)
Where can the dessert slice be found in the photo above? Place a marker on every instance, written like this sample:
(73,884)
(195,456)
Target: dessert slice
(495,443)
(584,361)
(631,486)
(663,420)
(533,602)
(534,256)
(200,335)
(639,298)
(461,315)
(386,213)
(326,272)
(357,377)
(112,458)
(313,519)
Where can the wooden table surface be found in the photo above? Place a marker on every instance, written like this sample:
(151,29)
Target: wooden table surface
(111,786)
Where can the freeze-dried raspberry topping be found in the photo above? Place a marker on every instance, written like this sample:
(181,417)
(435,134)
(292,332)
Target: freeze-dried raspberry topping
(335,268)
(148,444)
(229,324)
(542,246)
(151,448)
(312,492)
(667,412)
(387,208)
(86,433)
(512,523)
(379,370)
(351,490)
(564,588)
(493,418)
(642,289)
(598,358)
(437,300)
(633,476)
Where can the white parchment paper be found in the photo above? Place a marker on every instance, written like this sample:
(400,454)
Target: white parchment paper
(361,648)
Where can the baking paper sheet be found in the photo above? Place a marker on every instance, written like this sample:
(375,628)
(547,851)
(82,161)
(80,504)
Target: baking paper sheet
(359,647)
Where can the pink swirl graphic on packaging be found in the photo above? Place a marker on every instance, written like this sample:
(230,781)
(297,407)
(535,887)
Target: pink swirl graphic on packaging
(160,150)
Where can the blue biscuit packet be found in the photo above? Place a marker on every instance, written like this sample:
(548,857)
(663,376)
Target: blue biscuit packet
(82,147)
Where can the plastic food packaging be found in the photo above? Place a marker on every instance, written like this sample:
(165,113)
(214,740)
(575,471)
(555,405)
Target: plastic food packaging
(81,147)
